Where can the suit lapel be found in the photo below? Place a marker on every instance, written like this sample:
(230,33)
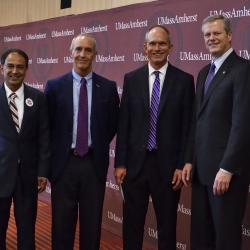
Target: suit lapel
(219,76)
(168,82)
(96,87)
(68,93)
(143,80)
(200,85)
(5,106)
(26,109)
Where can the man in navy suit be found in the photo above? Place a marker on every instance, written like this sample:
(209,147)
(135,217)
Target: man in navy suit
(24,148)
(218,149)
(77,177)
(152,168)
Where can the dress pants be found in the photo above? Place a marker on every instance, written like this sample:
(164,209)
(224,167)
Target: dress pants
(165,202)
(79,186)
(25,211)
(216,220)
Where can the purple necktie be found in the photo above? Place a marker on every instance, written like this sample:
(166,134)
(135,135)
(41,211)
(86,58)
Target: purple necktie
(210,76)
(155,98)
(82,121)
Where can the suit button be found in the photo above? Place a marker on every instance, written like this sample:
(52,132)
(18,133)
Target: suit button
(143,146)
(199,120)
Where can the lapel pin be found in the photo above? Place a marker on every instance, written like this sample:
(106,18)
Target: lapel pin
(29,102)
(224,72)
(97,85)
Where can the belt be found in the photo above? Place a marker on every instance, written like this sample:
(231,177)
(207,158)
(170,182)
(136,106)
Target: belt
(73,151)
(154,150)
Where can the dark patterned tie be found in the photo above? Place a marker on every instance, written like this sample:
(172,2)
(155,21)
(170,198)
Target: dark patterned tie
(82,121)
(14,111)
(210,76)
(155,98)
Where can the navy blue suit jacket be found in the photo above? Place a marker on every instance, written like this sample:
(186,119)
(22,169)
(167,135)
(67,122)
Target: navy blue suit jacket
(103,121)
(28,151)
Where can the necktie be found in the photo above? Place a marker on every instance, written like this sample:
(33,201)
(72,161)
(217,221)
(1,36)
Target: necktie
(82,121)
(210,76)
(14,111)
(155,98)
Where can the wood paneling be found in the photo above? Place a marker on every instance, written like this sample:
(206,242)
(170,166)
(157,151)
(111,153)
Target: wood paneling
(24,11)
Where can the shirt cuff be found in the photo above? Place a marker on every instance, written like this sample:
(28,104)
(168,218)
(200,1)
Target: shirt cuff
(225,171)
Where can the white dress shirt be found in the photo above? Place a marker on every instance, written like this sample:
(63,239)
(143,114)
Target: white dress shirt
(162,74)
(19,101)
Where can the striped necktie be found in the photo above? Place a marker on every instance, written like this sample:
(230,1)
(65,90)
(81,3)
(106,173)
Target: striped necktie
(155,98)
(14,111)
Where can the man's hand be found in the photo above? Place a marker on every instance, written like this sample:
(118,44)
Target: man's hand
(186,175)
(221,182)
(120,173)
(41,184)
(177,179)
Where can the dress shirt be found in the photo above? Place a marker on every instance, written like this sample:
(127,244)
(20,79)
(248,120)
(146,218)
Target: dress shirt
(76,93)
(19,101)
(162,74)
(218,62)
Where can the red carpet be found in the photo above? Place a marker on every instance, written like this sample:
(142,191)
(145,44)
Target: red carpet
(109,241)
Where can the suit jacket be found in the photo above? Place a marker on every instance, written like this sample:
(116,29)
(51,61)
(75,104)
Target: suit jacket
(28,151)
(174,113)
(103,121)
(220,134)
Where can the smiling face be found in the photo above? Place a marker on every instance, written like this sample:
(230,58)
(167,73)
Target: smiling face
(217,40)
(83,53)
(14,71)
(157,47)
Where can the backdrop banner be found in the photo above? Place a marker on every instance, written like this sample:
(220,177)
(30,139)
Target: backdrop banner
(120,34)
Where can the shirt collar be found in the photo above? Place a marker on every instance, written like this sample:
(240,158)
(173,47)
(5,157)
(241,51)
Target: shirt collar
(78,78)
(218,62)
(162,70)
(19,92)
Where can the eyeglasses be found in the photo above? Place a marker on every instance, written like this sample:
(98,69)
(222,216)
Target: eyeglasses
(11,67)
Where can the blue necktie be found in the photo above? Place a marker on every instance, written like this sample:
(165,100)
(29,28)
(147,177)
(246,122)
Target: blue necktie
(155,98)
(82,121)
(210,76)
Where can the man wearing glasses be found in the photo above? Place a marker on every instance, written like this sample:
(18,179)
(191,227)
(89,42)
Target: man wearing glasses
(24,148)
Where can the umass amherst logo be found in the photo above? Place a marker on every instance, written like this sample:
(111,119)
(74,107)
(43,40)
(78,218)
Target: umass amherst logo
(183,210)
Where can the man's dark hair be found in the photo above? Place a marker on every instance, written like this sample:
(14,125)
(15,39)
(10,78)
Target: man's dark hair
(14,50)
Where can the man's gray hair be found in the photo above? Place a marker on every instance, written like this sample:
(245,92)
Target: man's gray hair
(226,22)
(158,26)
(83,35)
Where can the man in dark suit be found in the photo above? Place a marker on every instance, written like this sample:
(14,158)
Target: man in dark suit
(219,145)
(24,148)
(151,139)
(80,155)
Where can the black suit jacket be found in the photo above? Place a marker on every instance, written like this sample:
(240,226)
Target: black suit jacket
(104,116)
(28,151)
(173,121)
(220,134)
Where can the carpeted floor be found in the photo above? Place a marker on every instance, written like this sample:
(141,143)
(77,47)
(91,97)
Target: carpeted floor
(109,241)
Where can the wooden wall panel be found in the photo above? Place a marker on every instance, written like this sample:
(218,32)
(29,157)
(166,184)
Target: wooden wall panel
(17,12)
